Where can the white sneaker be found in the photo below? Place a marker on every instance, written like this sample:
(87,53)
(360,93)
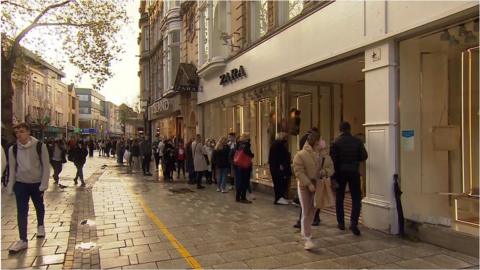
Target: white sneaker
(283,201)
(309,244)
(18,246)
(218,190)
(41,231)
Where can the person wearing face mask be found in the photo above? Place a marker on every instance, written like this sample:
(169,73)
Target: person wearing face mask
(280,169)
(310,165)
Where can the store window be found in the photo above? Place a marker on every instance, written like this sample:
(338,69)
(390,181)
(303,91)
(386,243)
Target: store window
(288,10)
(439,123)
(258,19)
(174,55)
(214,31)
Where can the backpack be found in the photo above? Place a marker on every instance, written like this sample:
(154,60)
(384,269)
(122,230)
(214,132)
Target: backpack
(39,152)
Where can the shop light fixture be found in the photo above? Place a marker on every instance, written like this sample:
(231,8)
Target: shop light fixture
(445,36)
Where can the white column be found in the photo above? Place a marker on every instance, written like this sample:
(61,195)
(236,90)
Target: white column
(381,127)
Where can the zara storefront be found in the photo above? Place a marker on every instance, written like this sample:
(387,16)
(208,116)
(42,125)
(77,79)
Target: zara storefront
(351,61)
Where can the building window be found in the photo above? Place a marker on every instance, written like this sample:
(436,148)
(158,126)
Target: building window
(82,98)
(174,55)
(214,30)
(84,110)
(287,10)
(146,38)
(258,19)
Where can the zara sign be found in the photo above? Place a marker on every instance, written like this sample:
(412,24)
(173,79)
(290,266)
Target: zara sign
(232,76)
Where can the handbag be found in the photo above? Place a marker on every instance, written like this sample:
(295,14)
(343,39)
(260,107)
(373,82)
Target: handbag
(126,156)
(324,196)
(242,160)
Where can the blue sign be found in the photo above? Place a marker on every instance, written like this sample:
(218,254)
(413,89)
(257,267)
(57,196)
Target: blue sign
(408,133)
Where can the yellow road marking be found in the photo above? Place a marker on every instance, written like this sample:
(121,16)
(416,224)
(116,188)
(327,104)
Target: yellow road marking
(173,240)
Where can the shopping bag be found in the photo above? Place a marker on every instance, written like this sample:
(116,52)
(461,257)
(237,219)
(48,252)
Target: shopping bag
(324,196)
(126,155)
(242,160)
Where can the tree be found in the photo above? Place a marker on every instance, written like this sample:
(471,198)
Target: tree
(84,32)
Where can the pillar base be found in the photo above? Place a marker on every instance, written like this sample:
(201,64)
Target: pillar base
(379,215)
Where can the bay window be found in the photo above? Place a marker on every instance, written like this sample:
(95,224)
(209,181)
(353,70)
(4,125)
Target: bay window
(214,35)
(171,59)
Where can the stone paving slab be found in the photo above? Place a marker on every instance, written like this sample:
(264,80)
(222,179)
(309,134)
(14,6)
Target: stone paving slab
(218,232)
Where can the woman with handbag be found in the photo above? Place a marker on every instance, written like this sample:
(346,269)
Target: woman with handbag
(199,161)
(242,161)
(308,172)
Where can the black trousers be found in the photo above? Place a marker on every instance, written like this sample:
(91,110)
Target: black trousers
(79,172)
(57,169)
(280,186)
(199,176)
(242,183)
(157,159)
(181,167)
(23,193)
(146,164)
(353,181)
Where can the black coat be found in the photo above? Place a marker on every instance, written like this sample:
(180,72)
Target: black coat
(279,156)
(79,155)
(347,152)
(220,157)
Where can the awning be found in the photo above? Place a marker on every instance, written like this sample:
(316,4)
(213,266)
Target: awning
(186,79)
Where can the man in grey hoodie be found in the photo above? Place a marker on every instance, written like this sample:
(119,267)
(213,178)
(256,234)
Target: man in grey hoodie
(28,178)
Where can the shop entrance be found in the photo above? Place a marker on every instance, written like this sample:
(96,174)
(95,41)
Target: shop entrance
(439,122)
(327,96)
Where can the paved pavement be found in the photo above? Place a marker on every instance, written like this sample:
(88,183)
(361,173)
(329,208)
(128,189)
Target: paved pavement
(128,221)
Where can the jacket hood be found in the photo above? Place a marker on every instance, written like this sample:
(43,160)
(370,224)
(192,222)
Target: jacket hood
(308,147)
(29,144)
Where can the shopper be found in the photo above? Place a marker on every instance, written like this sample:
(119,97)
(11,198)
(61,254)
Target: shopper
(243,167)
(29,174)
(136,155)
(189,162)
(57,153)
(306,166)
(279,159)
(146,154)
(156,155)
(91,147)
(199,160)
(316,218)
(169,160)
(180,159)
(347,152)
(209,146)
(79,158)
(221,164)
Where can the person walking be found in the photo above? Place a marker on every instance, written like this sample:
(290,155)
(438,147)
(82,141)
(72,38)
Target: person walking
(28,178)
(146,154)
(279,160)
(244,171)
(79,158)
(232,143)
(316,218)
(108,145)
(199,160)
(91,147)
(100,148)
(347,152)
(135,155)
(180,159)
(57,153)
(306,167)
(156,155)
(221,164)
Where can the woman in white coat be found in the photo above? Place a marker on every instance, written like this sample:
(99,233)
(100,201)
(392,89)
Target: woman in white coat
(199,160)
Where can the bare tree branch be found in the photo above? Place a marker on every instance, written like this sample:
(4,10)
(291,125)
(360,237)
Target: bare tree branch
(65,24)
(6,2)
(16,42)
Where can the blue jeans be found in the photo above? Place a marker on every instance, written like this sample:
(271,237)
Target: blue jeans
(23,193)
(222,178)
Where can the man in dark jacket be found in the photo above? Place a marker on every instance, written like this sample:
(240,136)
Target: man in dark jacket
(279,160)
(347,152)
(146,154)
(79,158)
(57,153)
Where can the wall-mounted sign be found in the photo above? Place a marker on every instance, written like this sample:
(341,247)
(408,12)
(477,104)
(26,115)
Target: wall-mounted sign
(186,88)
(160,106)
(232,76)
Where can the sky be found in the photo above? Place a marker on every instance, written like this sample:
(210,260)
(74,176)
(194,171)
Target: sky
(124,86)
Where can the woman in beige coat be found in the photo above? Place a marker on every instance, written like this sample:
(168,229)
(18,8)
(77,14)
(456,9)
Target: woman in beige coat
(199,160)
(307,167)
